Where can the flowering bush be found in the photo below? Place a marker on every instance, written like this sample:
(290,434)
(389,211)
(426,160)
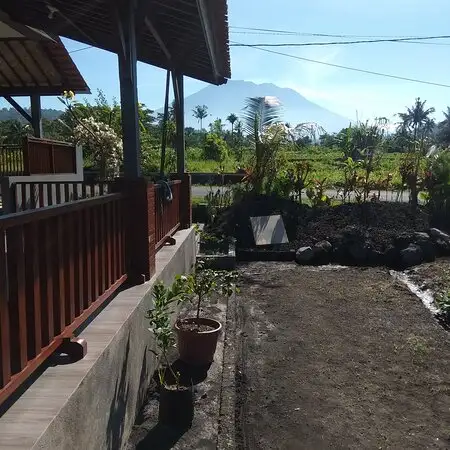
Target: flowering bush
(105,145)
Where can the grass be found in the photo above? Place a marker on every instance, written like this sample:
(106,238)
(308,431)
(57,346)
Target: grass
(325,164)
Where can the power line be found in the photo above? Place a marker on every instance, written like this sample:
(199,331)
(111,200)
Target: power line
(251,30)
(81,49)
(305,44)
(354,69)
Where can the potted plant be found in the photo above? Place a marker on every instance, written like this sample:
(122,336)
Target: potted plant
(176,407)
(197,336)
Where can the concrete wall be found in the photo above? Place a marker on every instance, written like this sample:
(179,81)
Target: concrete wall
(92,404)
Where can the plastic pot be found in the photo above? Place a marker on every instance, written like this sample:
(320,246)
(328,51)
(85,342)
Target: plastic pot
(176,406)
(197,347)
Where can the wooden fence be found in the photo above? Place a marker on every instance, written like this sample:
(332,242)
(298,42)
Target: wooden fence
(11,160)
(37,156)
(167,213)
(57,266)
(28,196)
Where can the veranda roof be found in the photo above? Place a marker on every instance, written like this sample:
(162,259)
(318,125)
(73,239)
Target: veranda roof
(190,36)
(32,62)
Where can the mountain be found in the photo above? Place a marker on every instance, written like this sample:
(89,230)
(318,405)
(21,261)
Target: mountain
(230,98)
(12,114)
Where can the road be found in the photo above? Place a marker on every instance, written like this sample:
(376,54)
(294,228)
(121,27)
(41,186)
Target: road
(202,191)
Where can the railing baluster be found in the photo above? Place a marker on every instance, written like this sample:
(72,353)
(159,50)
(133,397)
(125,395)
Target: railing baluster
(5,352)
(89,254)
(60,310)
(115,253)
(109,233)
(49,194)
(21,298)
(70,286)
(58,193)
(41,195)
(79,268)
(49,274)
(95,268)
(66,193)
(32,248)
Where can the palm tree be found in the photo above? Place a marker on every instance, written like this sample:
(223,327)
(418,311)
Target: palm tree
(417,120)
(232,118)
(444,129)
(417,125)
(200,112)
(259,114)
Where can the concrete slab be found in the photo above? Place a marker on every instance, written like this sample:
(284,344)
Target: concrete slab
(269,230)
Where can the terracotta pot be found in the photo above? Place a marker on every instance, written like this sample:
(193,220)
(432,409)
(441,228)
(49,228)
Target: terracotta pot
(198,347)
(176,407)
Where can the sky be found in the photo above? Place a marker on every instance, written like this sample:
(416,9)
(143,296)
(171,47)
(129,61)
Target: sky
(351,94)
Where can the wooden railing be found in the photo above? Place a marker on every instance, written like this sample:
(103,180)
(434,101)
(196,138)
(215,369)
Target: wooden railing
(11,160)
(167,213)
(36,157)
(58,264)
(28,196)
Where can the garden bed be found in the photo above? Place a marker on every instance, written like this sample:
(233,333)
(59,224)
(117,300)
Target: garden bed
(373,233)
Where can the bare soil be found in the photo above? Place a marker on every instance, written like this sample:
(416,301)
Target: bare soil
(338,359)
(379,222)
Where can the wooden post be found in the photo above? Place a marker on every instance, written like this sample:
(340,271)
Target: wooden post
(126,24)
(140,237)
(185,201)
(178,89)
(36,115)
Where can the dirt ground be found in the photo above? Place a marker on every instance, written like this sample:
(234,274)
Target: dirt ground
(338,359)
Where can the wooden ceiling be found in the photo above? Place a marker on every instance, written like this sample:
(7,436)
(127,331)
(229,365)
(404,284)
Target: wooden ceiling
(37,66)
(190,36)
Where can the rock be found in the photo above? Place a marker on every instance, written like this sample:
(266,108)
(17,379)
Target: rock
(436,234)
(323,247)
(411,256)
(403,240)
(441,241)
(359,251)
(322,252)
(390,256)
(420,236)
(304,255)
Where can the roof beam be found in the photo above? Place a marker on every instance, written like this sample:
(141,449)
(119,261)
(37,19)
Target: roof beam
(18,108)
(209,36)
(158,39)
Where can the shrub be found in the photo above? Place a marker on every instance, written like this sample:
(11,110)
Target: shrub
(215,148)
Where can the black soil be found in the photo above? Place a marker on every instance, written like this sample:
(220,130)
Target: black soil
(194,328)
(378,223)
(338,359)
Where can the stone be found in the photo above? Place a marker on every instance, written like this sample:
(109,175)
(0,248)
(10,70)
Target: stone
(411,256)
(420,236)
(304,255)
(436,234)
(323,247)
(358,251)
(269,230)
(441,241)
(390,256)
(403,240)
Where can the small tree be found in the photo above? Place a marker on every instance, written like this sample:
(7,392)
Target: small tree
(215,148)
(160,325)
(204,282)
